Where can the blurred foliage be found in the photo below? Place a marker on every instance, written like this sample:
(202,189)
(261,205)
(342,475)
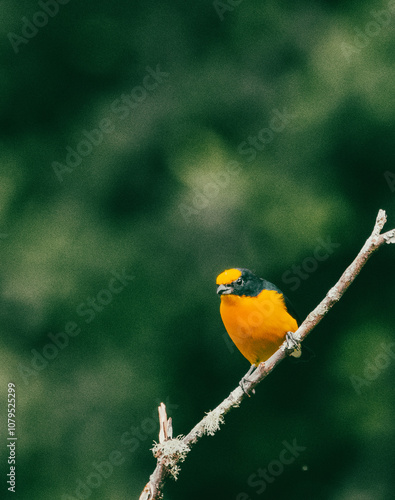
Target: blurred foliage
(161,197)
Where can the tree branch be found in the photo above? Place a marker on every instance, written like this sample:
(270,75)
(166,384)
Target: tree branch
(169,452)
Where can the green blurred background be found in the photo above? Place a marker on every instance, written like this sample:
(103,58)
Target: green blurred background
(171,193)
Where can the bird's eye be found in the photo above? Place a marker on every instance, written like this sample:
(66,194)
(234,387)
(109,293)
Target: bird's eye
(239,281)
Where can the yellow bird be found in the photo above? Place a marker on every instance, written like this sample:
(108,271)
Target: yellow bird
(256,314)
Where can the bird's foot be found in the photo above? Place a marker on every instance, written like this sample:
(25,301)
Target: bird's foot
(245,379)
(292,345)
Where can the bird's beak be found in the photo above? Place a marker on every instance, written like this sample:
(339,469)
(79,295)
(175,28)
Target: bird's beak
(224,290)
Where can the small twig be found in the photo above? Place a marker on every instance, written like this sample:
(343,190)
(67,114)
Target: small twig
(165,433)
(211,422)
(165,425)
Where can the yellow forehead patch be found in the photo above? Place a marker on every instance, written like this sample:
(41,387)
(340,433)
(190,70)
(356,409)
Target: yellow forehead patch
(228,276)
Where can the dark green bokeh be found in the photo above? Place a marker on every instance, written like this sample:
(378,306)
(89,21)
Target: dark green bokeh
(135,203)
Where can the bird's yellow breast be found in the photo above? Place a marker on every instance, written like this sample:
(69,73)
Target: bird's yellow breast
(257,325)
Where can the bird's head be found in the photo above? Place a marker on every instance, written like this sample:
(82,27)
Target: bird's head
(239,281)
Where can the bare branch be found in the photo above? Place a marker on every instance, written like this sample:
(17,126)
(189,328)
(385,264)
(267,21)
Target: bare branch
(179,447)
